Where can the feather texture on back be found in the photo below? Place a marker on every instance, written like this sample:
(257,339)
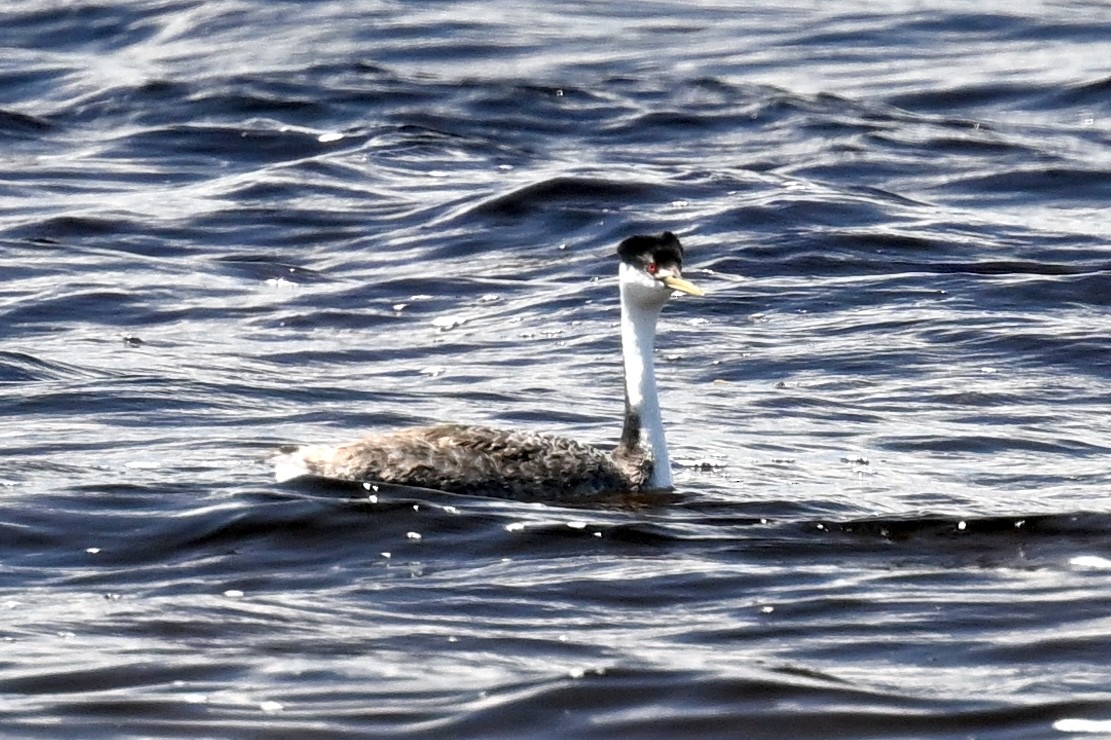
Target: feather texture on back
(480,460)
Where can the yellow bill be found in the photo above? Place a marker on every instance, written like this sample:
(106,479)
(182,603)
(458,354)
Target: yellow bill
(685,286)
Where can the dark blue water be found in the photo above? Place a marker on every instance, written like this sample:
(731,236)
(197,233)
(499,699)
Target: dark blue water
(229,226)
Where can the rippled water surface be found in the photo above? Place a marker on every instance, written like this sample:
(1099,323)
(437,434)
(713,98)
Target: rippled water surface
(228,226)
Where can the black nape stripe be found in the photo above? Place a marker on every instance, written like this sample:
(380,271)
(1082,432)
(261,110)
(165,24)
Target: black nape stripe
(630,432)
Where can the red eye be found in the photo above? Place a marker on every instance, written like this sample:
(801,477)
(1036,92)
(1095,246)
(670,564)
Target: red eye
(652,268)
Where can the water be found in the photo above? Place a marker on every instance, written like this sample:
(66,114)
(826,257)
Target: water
(228,226)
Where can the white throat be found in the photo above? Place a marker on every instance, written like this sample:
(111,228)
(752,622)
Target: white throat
(640,307)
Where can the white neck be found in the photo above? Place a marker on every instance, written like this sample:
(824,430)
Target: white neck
(638,338)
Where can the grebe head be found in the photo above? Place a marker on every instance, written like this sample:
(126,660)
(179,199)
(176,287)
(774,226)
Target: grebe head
(651,270)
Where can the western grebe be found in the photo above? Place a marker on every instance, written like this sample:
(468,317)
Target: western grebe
(527,465)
